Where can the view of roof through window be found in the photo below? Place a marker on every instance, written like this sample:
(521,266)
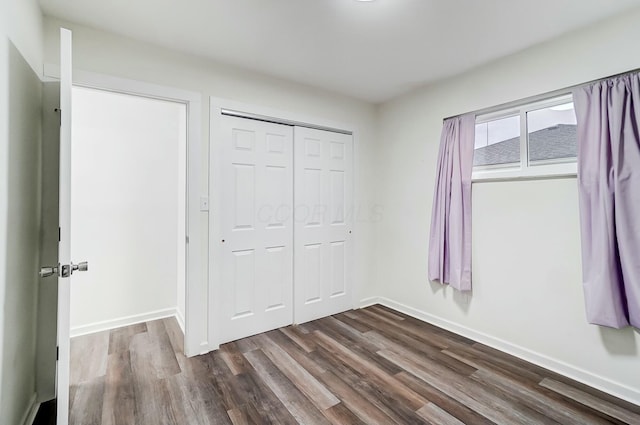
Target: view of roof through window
(551,133)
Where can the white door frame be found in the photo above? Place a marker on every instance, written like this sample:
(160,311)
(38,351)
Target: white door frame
(195,338)
(216,107)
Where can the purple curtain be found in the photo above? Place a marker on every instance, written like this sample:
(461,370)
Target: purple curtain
(450,240)
(608,114)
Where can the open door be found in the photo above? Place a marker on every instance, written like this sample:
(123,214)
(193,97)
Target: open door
(64,247)
(65,268)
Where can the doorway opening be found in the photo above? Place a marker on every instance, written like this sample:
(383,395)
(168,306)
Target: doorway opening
(128,210)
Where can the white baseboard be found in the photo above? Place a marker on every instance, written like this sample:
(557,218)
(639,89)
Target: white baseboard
(596,381)
(366,302)
(180,319)
(122,321)
(31,412)
(206,348)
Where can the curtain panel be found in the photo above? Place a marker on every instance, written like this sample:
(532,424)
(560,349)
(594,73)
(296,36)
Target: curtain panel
(450,238)
(608,114)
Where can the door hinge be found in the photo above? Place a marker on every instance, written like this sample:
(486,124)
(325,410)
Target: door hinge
(57,352)
(59,111)
(59,234)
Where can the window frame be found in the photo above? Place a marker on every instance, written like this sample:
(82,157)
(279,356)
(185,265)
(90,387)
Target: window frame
(562,167)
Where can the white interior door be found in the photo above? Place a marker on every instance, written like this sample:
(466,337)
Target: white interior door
(323,223)
(256,227)
(64,246)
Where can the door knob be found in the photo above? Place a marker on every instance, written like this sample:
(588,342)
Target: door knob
(81,267)
(68,269)
(48,271)
(64,270)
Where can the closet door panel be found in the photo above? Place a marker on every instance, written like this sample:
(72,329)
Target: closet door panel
(257,228)
(323,221)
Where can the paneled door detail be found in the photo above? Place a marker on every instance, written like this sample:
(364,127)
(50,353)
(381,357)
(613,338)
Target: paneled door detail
(256,227)
(323,223)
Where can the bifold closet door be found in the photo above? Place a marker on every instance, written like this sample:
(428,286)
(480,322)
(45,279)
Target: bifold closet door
(323,222)
(257,227)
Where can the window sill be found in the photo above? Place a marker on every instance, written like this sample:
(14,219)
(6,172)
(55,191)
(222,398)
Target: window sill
(536,172)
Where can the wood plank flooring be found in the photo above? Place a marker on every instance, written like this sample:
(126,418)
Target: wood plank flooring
(372,366)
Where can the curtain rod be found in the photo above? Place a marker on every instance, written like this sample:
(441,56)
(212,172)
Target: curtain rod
(530,99)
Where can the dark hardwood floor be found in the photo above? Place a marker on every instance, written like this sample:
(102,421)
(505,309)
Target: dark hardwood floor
(372,366)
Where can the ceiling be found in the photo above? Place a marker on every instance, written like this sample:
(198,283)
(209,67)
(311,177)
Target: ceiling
(371,50)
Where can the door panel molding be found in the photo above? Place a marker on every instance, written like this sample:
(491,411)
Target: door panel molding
(256,247)
(323,258)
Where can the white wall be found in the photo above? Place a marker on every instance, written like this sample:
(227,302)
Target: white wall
(527,294)
(105,53)
(25,27)
(23,235)
(20,91)
(48,289)
(4,183)
(124,207)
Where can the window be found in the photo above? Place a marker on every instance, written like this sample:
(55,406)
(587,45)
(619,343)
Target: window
(532,140)
(498,142)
